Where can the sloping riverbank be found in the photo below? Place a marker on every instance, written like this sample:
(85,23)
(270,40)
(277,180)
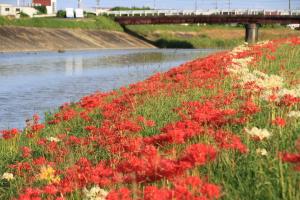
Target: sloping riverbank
(220,127)
(17,39)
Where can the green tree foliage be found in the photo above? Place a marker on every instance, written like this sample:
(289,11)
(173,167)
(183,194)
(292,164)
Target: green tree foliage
(41,9)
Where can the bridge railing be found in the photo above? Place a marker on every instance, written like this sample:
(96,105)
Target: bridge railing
(196,12)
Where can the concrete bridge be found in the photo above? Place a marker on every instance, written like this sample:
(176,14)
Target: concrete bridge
(251,22)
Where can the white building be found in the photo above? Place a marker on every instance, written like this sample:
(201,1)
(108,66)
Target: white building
(9,10)
(15,11)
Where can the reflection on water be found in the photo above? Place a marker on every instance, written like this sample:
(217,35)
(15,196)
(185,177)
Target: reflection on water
(39,82)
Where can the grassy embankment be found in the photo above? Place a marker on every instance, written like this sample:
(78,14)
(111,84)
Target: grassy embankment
(164,36)
(102,23)
(210,36)
(115,140)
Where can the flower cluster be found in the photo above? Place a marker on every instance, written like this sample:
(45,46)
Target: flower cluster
(258,133)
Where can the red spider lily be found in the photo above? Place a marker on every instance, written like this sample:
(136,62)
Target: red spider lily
(208,113)
(37,127)
(289,100)
(26,152)
(66,114)
(229,141)
(278,121)
(85,116)
(40,161)
(249,107)
(295,40)
(150,123)
(176,133)
(121,194)
(50,189)
(153,193)
(290,157)
(31,194)
(211,191)
(270,57)
(8,134)
(36,118)
(55,121)
(198,154)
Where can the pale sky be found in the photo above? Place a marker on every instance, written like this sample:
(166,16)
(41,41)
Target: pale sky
(180,4)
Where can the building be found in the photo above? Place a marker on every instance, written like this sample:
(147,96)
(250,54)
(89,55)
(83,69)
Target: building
(97,10)
(15,11)
(49,4)
(9,10)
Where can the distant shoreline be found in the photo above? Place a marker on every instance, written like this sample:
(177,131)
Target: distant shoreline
(69,50)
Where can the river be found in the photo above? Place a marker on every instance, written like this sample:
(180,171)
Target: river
(40,82)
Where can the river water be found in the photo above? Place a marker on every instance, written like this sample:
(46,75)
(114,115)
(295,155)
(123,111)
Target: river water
(40,82)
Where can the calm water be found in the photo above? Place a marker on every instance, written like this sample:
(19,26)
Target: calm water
(40,82)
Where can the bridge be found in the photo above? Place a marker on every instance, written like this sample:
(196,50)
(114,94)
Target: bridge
(175,12)
(252,19)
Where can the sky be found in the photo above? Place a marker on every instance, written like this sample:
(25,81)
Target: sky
(180,4)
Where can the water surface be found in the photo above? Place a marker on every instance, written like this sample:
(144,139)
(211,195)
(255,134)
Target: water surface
(39,82)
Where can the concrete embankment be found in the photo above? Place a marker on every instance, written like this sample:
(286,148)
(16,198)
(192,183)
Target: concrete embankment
(18,39)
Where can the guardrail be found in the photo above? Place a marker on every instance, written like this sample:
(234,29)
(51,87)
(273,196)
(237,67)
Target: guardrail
(194,12)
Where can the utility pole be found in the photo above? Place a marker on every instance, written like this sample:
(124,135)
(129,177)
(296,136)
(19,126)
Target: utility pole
(216,4)
(229,4)
(79,4)
(154,4)
(290,7)
(196,5)
(98,3)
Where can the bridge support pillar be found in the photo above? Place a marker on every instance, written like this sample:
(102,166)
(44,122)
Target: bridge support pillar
(251,33)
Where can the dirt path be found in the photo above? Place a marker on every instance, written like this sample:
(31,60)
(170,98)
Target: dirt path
(17,39)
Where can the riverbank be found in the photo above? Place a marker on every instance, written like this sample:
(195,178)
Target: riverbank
(23,39)
(161,36)
(205,36)
(220,127)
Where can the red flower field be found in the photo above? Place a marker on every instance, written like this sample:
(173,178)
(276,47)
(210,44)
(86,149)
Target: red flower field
(221,127)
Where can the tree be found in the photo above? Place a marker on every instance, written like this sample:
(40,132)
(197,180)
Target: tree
(41,9)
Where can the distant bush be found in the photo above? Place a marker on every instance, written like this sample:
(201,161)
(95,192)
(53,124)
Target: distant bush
(23,15)
(89,15)
(61,14)
(41,9)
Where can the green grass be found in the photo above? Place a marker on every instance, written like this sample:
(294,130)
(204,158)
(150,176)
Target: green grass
(204,36)
(101,23)
(146,29)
